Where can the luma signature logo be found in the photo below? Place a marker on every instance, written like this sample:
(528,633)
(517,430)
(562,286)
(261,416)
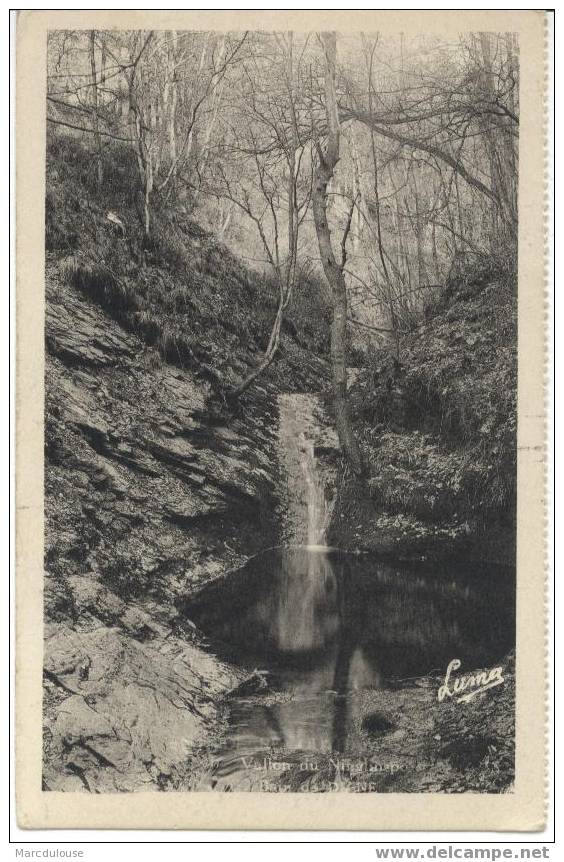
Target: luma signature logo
(464,688)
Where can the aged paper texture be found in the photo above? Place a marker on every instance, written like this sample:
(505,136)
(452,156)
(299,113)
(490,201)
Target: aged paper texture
(280,420)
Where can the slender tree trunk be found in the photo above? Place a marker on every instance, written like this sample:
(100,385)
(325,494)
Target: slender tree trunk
(435,253)
(387,280)
(173,99)
(95,118)
(103,61)
(333,271)
(269,354)
(356,195)
(200,75)
(497,141)
(286,279)
(215,97)
(508,136)
(420,240)
(145,162)
(223,219)
(147,198)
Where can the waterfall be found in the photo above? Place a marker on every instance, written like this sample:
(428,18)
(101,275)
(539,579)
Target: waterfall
(306,504)
(317,509)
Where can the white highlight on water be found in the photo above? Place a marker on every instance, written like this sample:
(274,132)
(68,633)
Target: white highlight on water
(307,510)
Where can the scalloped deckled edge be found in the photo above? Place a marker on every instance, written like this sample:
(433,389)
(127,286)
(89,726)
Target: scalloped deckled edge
(548,347)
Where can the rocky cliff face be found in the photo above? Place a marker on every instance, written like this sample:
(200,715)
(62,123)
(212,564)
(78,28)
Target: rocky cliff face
(149,495)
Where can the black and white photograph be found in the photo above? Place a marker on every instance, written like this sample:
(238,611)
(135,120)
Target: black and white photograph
(280,417)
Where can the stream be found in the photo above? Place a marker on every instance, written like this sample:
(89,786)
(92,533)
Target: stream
(344,641)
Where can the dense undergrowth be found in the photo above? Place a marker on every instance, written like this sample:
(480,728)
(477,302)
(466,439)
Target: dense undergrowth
(439,426)
(182,292)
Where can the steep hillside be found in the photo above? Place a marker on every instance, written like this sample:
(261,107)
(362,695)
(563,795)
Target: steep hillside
(180,291)
(150,488)
(438,428)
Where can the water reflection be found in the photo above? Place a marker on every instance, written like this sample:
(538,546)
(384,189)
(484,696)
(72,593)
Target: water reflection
(309,632)
(301,613)
(328,625)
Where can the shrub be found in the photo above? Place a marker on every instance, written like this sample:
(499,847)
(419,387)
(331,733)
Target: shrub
(169,249)
(456,383)
(99,283)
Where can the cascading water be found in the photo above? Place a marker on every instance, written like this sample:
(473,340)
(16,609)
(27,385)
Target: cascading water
(307,504)
(317,509)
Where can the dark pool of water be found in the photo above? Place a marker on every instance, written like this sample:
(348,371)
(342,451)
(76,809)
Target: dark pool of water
(328,624)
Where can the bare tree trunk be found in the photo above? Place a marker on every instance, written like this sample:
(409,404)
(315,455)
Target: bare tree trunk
(224,219)
(508,137)
(498,142)
(375,187)
(333,271)
(147,196)
(419,238)
(215,96)
(145,163)
(95,118)
(356,194)
(103,62)
(200,75)
(435,253)
(173,99)
(269,354)
(285,279)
